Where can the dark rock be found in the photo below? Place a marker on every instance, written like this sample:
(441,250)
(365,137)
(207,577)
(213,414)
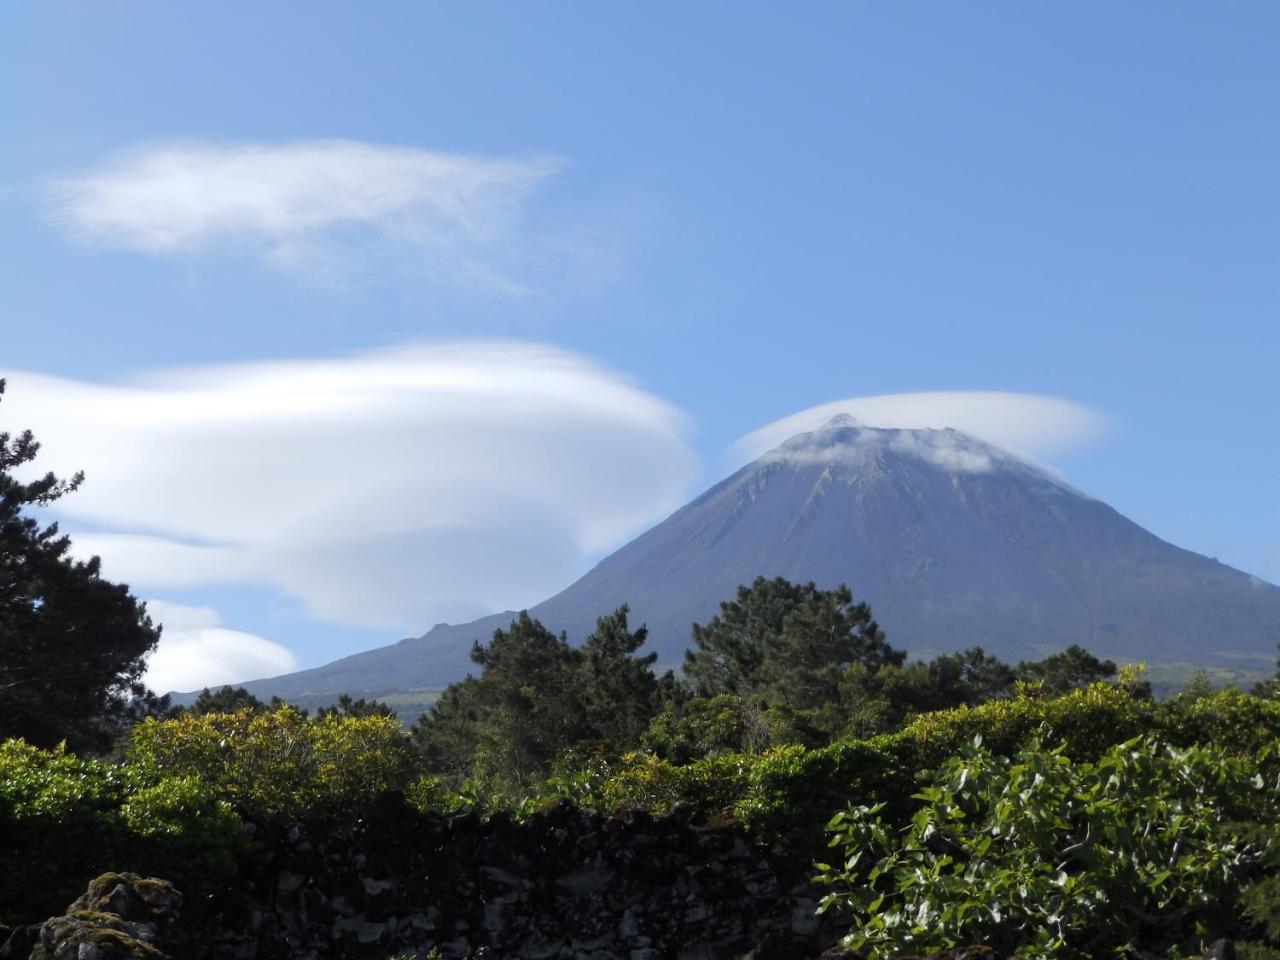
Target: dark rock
(120,917)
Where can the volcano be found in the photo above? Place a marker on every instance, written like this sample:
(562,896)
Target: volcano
(954,543)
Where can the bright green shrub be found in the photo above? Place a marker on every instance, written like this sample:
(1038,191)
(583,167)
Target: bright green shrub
(712,784)
(429,794)
(790,790)
(183,823)
(282,765)
(1238,722)
(1086,722)
(64,819)
(1052,857)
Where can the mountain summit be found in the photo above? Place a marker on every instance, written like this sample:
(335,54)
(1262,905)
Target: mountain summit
(954,543)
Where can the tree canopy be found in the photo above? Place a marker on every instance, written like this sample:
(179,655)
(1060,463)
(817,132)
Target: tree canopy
(72,645)
(789,642)
(535,698)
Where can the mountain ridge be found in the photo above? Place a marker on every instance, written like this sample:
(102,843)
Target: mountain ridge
(953,542)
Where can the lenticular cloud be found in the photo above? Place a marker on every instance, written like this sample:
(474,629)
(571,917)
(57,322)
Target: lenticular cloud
(1029,425)
(196,651)
(391,489)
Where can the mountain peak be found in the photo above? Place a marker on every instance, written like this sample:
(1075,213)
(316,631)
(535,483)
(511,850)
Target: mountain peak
(846,441)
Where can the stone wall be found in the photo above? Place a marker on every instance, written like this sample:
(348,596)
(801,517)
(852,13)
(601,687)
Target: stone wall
(565,883)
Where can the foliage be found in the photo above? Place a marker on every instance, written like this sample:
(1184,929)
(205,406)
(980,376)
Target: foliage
(870,696)
(282,765)
(689,728)
(349,707)
(535,698)
(226,699)
(430,794)
(506,727)
(618,690)
(792,789)
(788,642)
(1071,669)
(72,645)
(644,780)
(65,819)
(1051,857)
(881,700)
(1239,723)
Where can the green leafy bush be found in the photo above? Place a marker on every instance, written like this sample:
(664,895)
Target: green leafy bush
(1238,722)
(430,794)
(281,765)
(791,789)
(1052,857)
(64,819)
(713,783)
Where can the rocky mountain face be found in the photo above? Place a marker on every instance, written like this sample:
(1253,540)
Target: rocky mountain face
(953,542)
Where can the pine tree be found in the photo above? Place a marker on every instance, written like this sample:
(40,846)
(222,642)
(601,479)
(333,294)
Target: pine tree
(72,645)
(788,642)
(619,692)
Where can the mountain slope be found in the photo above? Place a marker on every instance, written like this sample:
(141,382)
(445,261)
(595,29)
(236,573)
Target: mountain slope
(953,542)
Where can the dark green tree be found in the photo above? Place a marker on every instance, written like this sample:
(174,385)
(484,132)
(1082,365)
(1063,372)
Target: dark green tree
(72,645)
(1063,672)
(229,699)
(448,735)
(789,642)
(349,707)
(877,700)
(508,725)
(225,699)
(537,697)
(968,677)
(532,699)
(618,690)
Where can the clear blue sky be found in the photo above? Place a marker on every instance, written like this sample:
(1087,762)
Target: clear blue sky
(744,209)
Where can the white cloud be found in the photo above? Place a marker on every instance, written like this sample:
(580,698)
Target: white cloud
(391,489)
(304,204)
(195,652)
(952,451)
(1028,425)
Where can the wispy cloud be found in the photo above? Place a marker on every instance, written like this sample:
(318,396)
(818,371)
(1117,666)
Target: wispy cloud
(390,489)
(305,204)
(195,651)
(1029,425)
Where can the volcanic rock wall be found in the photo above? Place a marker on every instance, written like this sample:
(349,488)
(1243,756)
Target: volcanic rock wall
(564,883)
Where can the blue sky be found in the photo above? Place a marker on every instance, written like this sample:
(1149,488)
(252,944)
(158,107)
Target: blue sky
(714,216)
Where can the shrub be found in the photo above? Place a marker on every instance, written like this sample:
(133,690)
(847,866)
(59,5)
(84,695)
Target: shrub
(1241,724)
(430,794)
(713,783)
(64,819)
(281,765)
(1051,857)
(791,789)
